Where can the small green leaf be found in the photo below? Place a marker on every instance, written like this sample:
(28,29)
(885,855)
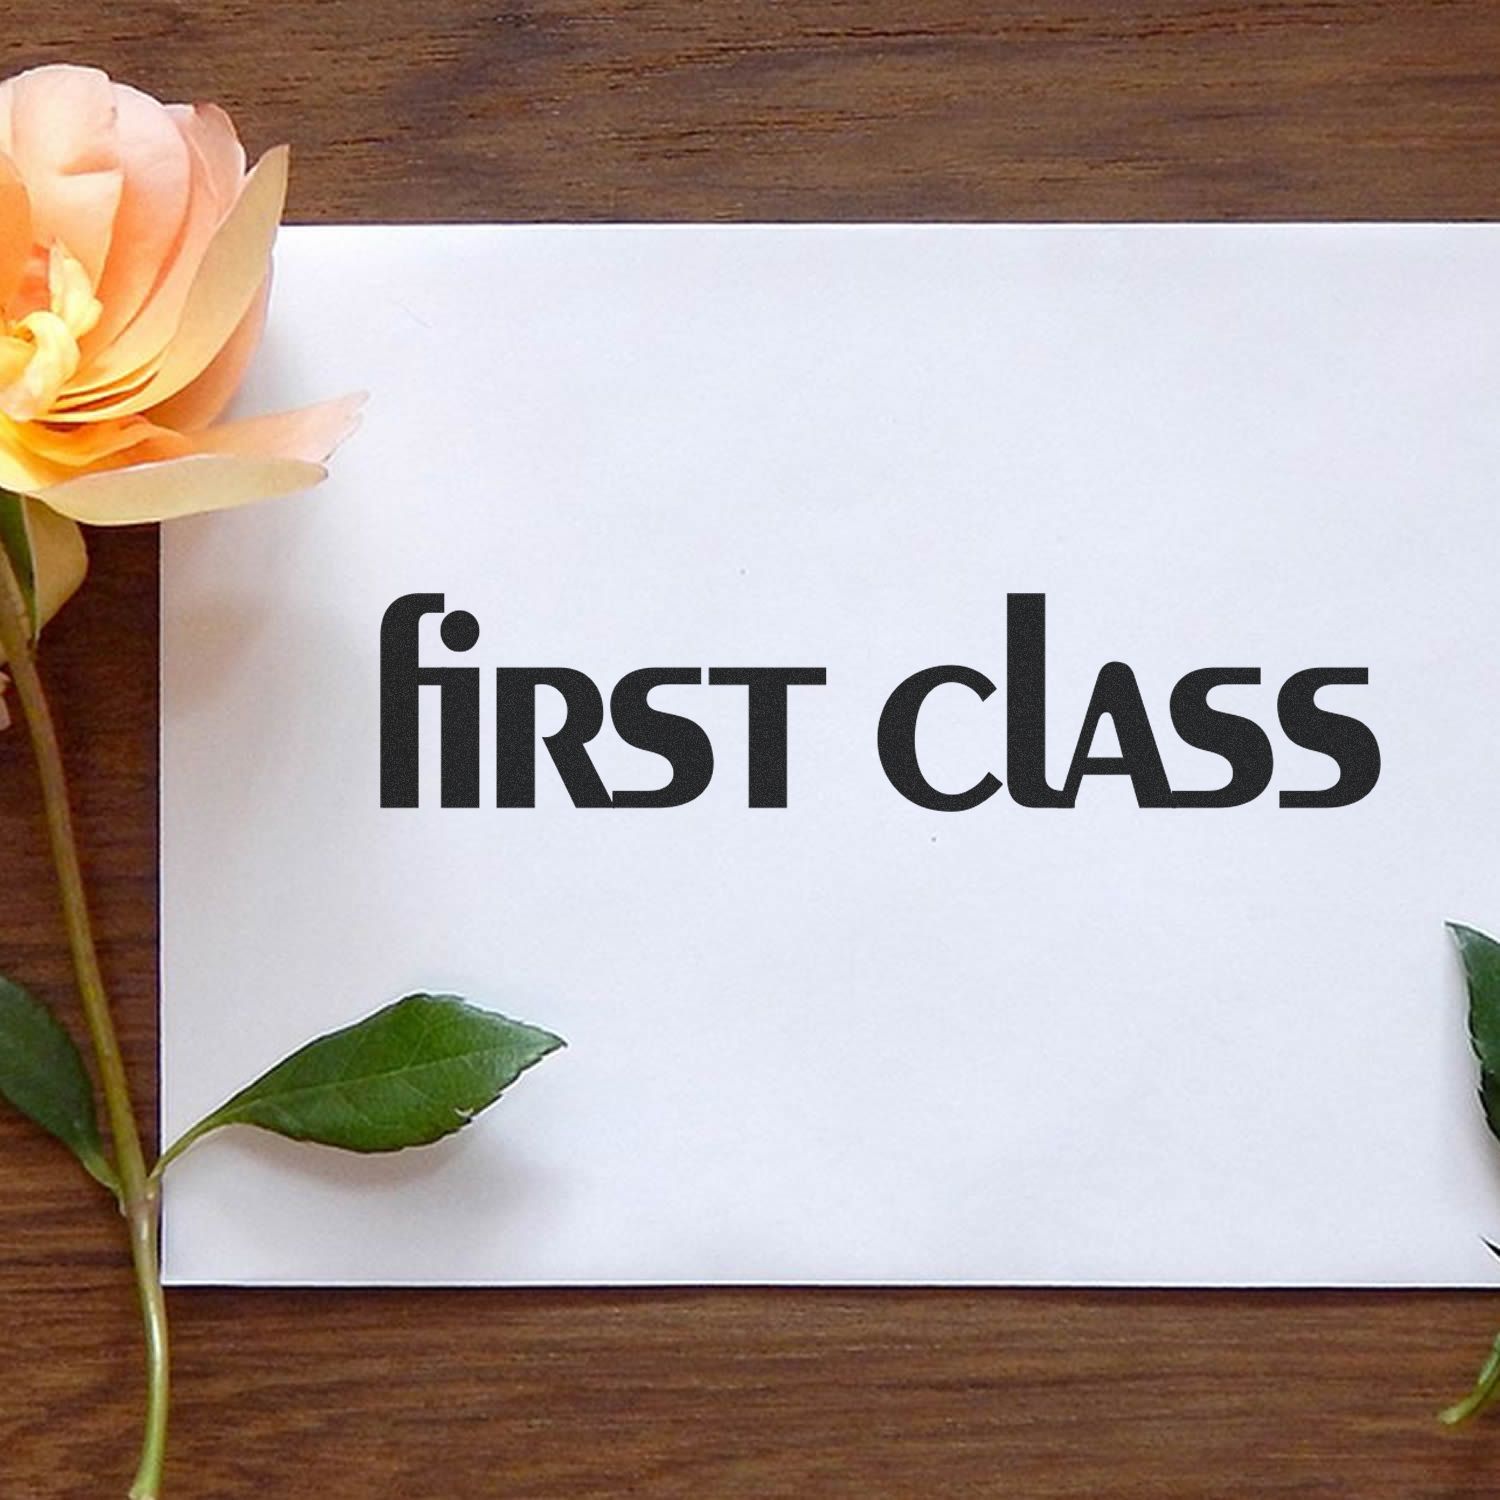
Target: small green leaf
(42,1074)
(15,538)
(409,1074)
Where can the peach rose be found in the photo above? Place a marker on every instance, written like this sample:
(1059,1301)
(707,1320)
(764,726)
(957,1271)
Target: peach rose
(135,253)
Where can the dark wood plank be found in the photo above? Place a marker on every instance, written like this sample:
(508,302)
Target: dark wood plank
(867,109)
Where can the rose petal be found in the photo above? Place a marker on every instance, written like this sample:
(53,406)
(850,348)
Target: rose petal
(57,124)
(200,403)
(21,470)
(179,487)
(100,443)
(15,229)
(223,291)
(40,459)
(310,433)
(216,177)
(157,170)
(212,136)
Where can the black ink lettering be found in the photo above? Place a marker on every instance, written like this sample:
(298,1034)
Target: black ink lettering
(766,722)
(1240,741)
(681,742)
(1348,742)
(1116,694)
(896,739)
(1026,703)
(515,735)
(401,678)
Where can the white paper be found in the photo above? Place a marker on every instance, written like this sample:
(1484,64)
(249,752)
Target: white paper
(855,1040)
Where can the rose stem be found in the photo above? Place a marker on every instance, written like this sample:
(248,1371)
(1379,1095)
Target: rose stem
(138,1197)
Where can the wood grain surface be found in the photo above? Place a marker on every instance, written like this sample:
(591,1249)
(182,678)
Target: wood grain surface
(722,109)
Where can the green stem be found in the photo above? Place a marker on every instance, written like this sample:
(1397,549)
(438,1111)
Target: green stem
(180,1145)
(1486,1388)
(138,1196)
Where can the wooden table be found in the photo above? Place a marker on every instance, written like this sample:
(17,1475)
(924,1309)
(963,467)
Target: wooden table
(722,109)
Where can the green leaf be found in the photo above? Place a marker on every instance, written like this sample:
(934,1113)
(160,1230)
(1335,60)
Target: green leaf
(1489,1100)
(42,1074)
(15,537)
(409,1074)
(1481,959)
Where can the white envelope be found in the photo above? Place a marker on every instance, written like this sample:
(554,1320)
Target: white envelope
(856,1039)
